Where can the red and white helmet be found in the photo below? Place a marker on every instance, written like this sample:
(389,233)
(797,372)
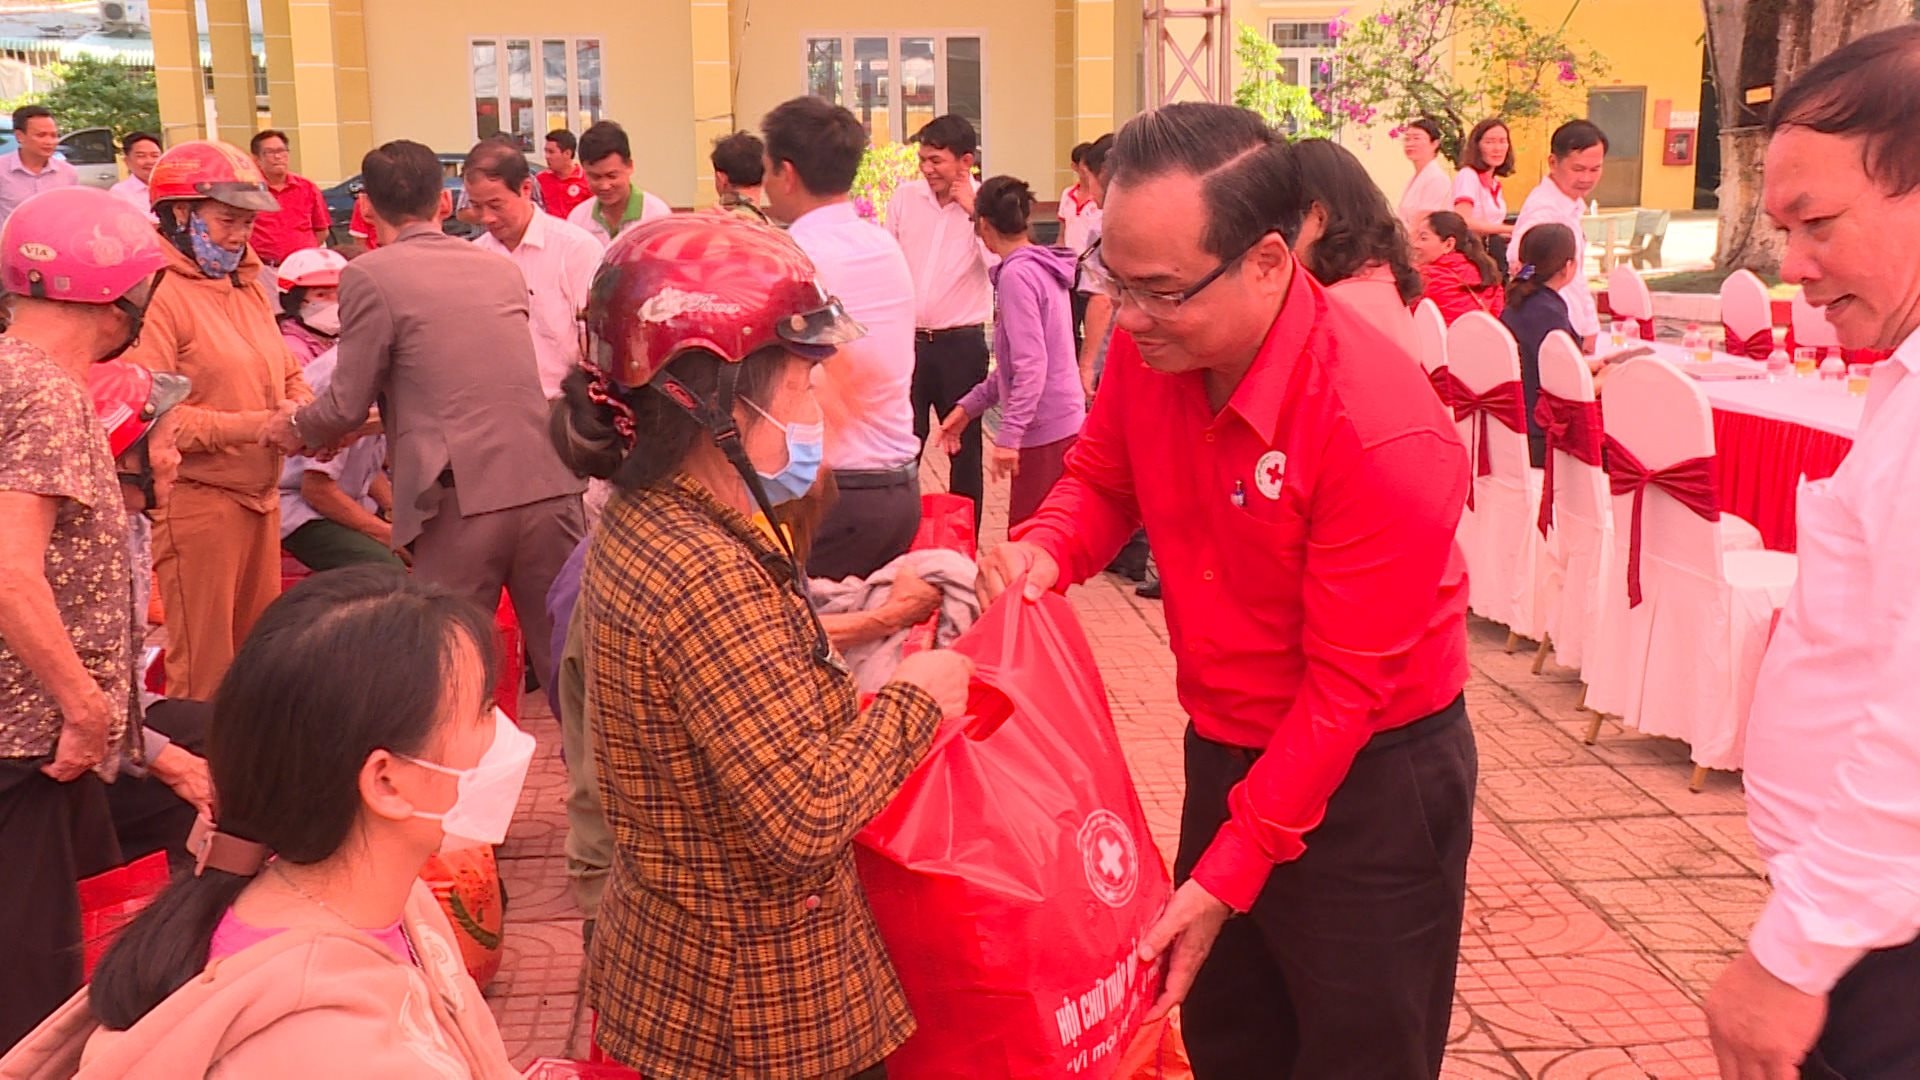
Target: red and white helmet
(312,268)
(209,169)
(79,245)
(706,281)
(129,400)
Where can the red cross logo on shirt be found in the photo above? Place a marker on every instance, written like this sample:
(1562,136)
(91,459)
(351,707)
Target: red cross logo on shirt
(1268,473)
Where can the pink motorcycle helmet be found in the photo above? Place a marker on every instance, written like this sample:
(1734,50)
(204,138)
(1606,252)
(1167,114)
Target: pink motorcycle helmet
(78,245)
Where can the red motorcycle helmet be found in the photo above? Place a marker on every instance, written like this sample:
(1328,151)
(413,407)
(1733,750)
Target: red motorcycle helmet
(79,245)
(129,400)
(706,281)
(206,169)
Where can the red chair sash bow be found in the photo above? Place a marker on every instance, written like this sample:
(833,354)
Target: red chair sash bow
(1440,379)
(1692,483)
(1573,426)
(1645,328)
(1756,347)
(1505,403)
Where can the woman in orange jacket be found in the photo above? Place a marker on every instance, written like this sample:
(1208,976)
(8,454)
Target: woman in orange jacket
(217,543)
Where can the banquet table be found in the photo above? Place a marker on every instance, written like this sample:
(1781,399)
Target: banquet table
(1768,434)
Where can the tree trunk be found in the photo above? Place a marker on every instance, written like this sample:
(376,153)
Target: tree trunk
(1757,47)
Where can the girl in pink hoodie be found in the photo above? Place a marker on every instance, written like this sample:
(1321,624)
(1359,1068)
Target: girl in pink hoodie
(353,734)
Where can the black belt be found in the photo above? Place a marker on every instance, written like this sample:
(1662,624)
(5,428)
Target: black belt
(1431,724)
(866,479)
(948,331)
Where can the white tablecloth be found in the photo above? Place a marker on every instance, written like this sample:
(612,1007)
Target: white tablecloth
(1820,404)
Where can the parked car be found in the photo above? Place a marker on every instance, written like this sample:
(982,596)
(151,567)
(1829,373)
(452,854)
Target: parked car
(340,198)
(91,151)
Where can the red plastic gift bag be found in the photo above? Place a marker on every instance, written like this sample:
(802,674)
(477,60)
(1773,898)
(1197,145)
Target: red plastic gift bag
(1014,875)
(513,660)
(561,1069)
(946,521)
(110,900)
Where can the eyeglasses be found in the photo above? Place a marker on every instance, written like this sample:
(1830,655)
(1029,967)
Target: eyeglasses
(1159,305)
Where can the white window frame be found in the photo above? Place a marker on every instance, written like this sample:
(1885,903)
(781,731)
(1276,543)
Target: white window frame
(895,104)
(1307,56)
(504,97)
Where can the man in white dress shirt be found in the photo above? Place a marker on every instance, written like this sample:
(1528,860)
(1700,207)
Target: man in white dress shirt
(933,219)
(557,258)
(617,204)
(1578,155)
(1829,985)
(813,149)
(142,152)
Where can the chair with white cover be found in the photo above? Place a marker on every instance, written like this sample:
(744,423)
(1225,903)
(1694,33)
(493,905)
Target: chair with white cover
(1811,330)
(1630,301)
(1746,314)
(1680,662)
(1573,559)
(1498,531)
(1430,330)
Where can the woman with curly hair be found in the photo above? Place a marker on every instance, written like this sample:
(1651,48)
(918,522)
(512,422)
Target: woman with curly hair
(1353,242)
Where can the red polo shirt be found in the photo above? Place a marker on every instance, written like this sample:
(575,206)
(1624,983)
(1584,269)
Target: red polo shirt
(1305,536)
(561,196)
(303,212)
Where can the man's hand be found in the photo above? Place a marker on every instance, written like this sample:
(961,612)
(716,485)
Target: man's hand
(912,599)
(281,435)
(1005,564)
(1184,935)
(186,773)
(950,429)
(943,674)
(83,735)
(963,192)
(1004,463)
(1762,1028)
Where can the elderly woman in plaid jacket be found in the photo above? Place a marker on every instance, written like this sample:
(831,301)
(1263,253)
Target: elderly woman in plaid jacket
(734,760)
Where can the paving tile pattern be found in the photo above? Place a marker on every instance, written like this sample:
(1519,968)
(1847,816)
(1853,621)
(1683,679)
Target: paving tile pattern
(1603,896)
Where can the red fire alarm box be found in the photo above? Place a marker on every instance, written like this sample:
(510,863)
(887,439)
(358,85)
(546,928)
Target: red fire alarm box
(1678,147)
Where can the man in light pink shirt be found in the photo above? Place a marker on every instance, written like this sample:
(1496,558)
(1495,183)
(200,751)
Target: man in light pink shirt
(1830,982)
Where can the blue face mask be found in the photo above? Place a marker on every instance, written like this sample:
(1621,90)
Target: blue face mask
(806,444)
(215,261)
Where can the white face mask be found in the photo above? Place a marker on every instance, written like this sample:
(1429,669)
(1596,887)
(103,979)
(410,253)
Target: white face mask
(488,793)
(323,316)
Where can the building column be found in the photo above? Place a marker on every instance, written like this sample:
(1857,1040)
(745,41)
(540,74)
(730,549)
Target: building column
(1084,40)
(283,104)
(712,91)
(177,75)
(231,39)
(317,74)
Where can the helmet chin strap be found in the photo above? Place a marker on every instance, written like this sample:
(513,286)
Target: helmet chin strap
(717,418)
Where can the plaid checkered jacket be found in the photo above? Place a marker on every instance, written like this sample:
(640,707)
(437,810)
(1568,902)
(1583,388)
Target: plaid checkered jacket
(736,768)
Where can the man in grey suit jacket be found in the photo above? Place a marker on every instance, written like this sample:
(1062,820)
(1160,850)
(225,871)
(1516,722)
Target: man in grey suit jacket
(436,330)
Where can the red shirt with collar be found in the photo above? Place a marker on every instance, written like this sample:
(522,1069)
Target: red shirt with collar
(561,196)
(303,212)
(1305,537)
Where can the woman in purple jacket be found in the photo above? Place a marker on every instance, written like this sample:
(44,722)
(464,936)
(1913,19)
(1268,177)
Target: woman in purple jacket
(1036,376)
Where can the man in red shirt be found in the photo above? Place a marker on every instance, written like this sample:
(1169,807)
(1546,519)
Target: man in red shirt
(303,220)
(564,185)
(1302,485)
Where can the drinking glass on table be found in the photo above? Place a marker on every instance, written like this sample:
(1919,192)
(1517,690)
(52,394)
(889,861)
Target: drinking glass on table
(1806,362)
(1777,365)
(1858,378)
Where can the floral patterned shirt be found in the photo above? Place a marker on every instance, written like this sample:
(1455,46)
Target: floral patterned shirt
(52,444)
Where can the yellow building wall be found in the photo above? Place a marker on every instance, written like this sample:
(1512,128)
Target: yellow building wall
(422,87)
(1019,80)
(1655,44)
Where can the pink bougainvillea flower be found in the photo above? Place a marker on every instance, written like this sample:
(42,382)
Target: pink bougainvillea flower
(1567,74)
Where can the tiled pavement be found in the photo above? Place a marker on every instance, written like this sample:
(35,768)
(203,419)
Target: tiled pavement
(1603,896)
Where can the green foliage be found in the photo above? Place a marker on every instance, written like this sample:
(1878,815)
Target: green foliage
(1264,89)
(1457,61)
(882,169)
(100,93)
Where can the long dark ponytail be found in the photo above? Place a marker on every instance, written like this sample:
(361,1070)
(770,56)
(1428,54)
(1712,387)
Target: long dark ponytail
(346,663)
(1545,250)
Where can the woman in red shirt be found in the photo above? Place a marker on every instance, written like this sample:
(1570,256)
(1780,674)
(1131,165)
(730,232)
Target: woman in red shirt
(1458,273)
